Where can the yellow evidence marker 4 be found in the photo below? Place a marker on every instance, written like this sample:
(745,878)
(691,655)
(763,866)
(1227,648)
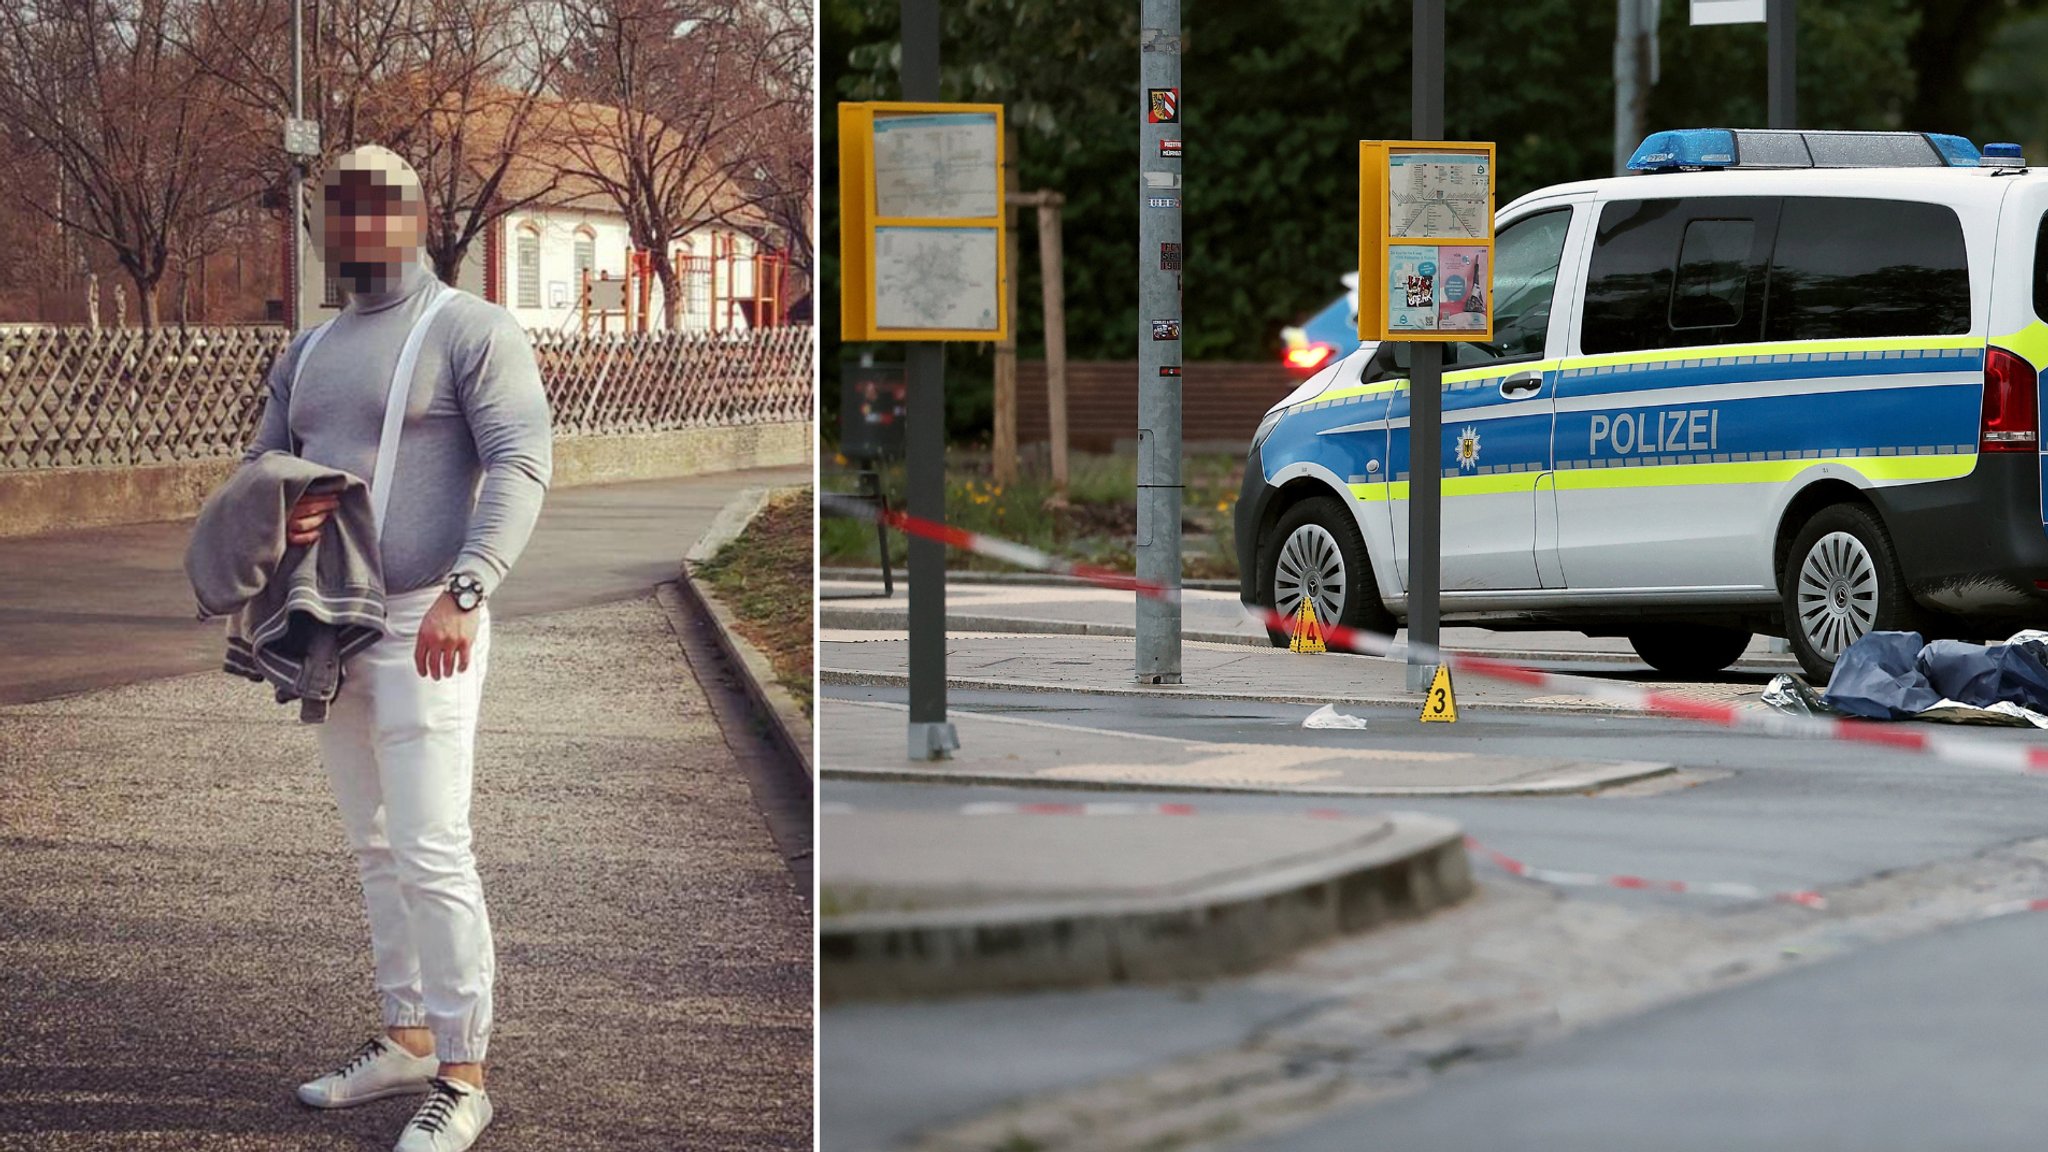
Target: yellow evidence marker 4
(1308,635)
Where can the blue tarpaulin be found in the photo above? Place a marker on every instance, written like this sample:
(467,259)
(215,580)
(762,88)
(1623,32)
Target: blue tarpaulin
(1878,678)
(1896,675)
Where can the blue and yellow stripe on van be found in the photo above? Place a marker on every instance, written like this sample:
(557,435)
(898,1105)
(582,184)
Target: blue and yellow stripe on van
(1899,434)
(1872,466)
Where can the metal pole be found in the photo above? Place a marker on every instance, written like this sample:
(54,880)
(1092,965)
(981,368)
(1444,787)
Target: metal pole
(1159,339)
(1628,104)
(1052,278)
(931,736)
(297,190)
(1782,20)
(1425,387)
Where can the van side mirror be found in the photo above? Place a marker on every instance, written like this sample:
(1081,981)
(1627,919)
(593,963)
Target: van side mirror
(1390,361)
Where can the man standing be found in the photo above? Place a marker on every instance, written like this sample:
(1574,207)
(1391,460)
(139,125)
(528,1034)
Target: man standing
(459,469)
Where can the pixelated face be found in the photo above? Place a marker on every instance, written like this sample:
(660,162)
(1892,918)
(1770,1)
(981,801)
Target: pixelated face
(372,221)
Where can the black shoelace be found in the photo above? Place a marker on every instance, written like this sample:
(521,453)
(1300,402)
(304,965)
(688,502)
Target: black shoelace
(362,1057)
(439,1107)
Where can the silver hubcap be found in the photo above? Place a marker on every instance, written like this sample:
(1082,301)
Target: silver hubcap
(1837,595)
(1311,565)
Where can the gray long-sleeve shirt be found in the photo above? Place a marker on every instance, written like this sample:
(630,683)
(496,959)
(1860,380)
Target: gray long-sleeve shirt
(475,452)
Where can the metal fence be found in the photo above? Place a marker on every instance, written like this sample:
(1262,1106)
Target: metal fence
(72,396)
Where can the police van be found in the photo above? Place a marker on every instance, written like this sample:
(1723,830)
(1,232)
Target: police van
(1778,383)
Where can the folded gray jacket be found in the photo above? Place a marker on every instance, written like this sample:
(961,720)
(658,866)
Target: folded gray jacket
(297,612)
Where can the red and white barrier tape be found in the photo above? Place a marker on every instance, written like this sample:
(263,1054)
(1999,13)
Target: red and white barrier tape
(1734,890)
(1503,861)
(1954,748)
(2013,908)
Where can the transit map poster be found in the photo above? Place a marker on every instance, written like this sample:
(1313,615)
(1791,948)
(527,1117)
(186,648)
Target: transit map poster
(922,241)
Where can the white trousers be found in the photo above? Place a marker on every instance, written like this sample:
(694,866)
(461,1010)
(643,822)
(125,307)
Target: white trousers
(399,750)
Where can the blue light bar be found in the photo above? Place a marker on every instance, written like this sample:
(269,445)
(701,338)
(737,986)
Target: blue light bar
(1684,148)
(2002,156)
(1698,149)
(1959,152)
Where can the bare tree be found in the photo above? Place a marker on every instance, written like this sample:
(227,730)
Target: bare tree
(456,86)
(777,168)
(665,93)
(491,62)
(147,146)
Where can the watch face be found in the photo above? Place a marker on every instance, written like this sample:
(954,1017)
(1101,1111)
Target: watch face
(465,599)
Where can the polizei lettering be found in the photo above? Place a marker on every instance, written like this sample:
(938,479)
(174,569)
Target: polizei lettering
(1663,430)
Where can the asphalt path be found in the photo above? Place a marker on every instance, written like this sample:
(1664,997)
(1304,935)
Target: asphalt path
(1776,813)
(100,607)
(888,1070)
(1930,1043)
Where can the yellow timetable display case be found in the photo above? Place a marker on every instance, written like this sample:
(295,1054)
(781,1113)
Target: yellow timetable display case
(922,222)
(1425,240)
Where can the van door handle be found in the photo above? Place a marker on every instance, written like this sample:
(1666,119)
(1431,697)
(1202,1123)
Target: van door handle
(1521,384)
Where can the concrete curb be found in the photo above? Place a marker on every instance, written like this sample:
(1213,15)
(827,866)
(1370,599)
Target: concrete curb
(983,684)
(1418,865)
(1588,778)
(786,718)
(728,524)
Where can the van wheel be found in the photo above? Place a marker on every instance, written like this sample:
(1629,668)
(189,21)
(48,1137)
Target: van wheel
(1689,649)
(1316,551)
(1841,581)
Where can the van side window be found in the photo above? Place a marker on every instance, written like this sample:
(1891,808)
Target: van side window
(1848,269)
(1526,255)
(1713,274)
(1676,273)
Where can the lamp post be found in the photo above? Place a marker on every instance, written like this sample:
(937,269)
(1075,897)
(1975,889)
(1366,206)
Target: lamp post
(301,140)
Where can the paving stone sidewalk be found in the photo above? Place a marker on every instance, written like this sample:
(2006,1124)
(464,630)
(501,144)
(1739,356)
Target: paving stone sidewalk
(861,740)
(1207,614)
(182,938)
(1103,664)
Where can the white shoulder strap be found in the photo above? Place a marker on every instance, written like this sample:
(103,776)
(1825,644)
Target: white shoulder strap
(394,407)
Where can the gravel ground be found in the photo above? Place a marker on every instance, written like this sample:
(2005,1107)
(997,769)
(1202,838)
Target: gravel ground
(182,939)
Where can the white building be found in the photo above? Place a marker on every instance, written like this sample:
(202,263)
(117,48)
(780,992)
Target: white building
(545,251)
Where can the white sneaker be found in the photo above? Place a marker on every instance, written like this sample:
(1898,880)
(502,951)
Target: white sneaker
(448,1120)
(378,1069)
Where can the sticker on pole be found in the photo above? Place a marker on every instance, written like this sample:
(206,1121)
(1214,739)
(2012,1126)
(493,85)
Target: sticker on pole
(1162,105)
(1441,703)
(1425,240)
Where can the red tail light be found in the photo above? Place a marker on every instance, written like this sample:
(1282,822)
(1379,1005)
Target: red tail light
(1309,357)
(2012,411)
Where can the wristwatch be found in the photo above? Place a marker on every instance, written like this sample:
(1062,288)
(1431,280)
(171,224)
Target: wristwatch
(466,590)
